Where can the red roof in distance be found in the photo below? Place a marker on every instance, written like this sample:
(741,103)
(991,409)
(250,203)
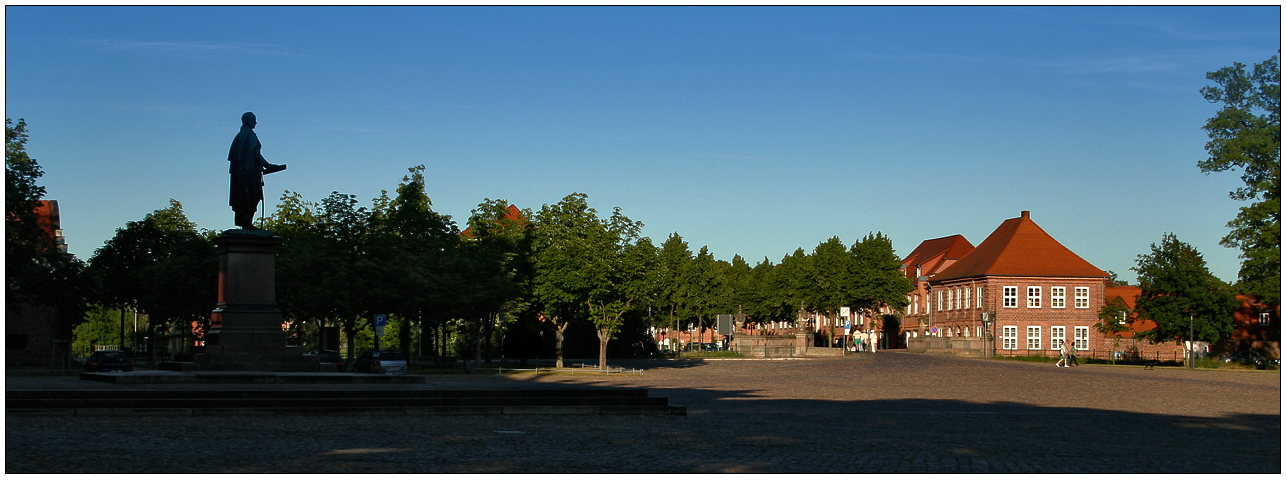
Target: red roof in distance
(933,253)
(512,214)
(1020,248)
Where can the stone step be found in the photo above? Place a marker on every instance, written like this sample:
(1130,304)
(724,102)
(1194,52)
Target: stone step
(17,395)
(331,402)
(350,411)
(169,402)
(163,377)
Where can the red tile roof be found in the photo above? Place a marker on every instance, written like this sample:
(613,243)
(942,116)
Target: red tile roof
(947,248)
(512,214)
(1020,248)
(1128,294)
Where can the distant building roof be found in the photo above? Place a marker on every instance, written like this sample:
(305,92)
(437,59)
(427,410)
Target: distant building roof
(1020,248)
(48,218)
(512,214)
(933,253)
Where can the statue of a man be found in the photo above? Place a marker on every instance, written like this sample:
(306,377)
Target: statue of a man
(247,168)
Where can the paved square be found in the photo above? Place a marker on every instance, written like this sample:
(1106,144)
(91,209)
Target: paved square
(888,412)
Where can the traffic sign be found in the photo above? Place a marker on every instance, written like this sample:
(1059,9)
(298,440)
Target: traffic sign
(380,320)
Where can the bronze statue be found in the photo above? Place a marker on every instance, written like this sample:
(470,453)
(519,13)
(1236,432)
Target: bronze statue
(247,168)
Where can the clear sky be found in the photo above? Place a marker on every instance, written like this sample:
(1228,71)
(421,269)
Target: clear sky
(755,131)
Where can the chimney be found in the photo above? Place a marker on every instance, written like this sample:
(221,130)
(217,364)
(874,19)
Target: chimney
(1024,214)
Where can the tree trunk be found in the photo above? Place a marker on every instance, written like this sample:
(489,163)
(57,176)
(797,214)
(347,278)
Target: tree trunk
(478,341)
(487,335)
(348,335)
(558,343)
(604,336)
(404,339)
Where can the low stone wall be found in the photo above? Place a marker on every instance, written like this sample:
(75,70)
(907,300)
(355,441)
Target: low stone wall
(955,346)
(778,346)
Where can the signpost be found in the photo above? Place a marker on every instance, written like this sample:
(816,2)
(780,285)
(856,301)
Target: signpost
(379,322)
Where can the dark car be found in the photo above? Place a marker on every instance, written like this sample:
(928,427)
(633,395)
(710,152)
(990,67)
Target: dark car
(390,362)
(330,356)
(1248,357)
(109,361)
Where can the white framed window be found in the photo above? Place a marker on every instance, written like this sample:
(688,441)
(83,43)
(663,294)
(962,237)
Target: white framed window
(1010,297)
(1034,337)
(966,291)
(1264,318)
(1081,338)
(1057,337)
(1009,337)
(978,297)
(1081,297)
(951,297)
(1057,295)
(1034,297)
(916,304)
(979,330)
(940,300)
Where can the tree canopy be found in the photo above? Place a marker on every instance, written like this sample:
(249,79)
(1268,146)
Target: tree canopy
(1246,135)
(1175,283)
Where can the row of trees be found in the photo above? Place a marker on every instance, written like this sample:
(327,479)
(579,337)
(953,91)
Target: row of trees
(341,263)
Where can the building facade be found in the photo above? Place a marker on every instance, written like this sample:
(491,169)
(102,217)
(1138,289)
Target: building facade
(1021,286)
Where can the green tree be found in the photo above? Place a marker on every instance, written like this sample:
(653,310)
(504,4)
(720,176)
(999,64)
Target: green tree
(161,265)
(422,262)
(37,272)
(622,270)
(562,246)
(703,289)
(102,326)
(495,249)
(830,277)
(878,276)
(1174,284)
(671,292)
(1246,134)
(1114,317)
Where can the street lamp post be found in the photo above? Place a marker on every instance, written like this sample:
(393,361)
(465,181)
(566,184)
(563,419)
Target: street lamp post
(1191,345)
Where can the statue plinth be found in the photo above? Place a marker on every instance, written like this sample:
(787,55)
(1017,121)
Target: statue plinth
(246,325)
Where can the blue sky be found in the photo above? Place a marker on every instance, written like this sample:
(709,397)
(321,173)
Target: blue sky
(755,131)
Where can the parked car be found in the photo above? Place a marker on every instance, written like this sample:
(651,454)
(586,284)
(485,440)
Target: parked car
(109,361)
(390,361)
(1247,357)
(329,356)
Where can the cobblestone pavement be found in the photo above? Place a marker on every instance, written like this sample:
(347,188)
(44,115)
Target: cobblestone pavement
(889,412)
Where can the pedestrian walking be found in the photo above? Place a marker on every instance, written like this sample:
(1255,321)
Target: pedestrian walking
(1063,355)
(1072,356)
(857,342)
(874,339)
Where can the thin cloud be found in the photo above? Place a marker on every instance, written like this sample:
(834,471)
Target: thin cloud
(1084,65)
(189,48)
(729,156)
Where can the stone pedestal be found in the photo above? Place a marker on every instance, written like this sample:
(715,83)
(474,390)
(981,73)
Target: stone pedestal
(246,325)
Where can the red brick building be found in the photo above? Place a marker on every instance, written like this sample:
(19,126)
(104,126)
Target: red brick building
(32,336)
(929,259)
(1255,327)
(1129,343)
(1035,292)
